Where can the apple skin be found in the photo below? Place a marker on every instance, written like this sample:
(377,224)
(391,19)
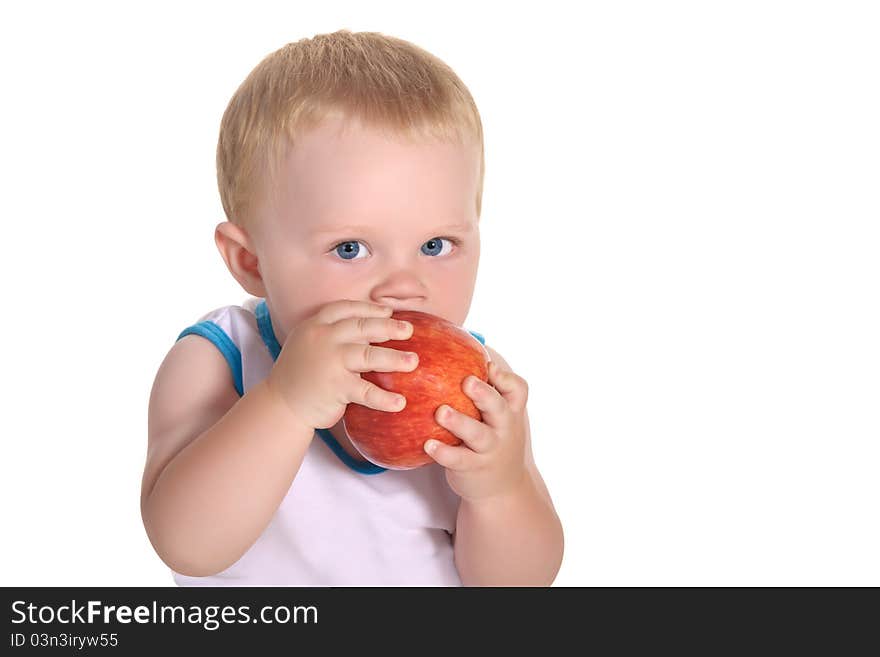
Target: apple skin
(448,354)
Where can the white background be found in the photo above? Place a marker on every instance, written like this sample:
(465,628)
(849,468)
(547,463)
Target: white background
(680,239)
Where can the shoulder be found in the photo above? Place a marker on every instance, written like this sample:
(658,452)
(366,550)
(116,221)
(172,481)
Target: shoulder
(191,391)
(191,368)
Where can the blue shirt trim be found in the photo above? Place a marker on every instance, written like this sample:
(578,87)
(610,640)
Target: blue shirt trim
(218,337)
(264,322)
(364,467)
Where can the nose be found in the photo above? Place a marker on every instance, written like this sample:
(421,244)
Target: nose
(401,290)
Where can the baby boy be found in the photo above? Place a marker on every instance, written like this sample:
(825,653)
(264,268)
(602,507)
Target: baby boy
(350,168)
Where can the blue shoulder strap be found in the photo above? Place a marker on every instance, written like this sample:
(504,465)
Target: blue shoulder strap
(226,346)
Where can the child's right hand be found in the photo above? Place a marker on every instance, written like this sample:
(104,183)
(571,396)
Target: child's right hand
(317,371)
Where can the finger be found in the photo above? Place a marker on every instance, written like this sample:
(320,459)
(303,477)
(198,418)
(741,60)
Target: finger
(512,387)
(363,330)
(344,308)
(370,358)
(459,458)
(370,395)
(476,435)
(487,399)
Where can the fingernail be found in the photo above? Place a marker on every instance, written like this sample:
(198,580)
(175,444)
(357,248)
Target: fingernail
(431,446)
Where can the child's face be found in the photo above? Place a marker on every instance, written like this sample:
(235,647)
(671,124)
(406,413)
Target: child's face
(359,216)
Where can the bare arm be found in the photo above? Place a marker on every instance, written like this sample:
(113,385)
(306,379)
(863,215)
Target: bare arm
(512,540)
(217,466)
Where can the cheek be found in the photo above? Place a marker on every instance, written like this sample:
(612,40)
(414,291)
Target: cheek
(292,301)
(322,287)
(458,276)
(329,284)
(451,294)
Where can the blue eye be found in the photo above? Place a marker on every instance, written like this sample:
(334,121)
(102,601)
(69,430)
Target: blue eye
(351,249)
(348,250)
(434,246)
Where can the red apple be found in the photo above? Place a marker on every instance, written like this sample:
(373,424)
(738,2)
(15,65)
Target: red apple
(448,354)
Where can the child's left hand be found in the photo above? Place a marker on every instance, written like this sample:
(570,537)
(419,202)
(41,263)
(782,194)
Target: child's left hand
(492,458)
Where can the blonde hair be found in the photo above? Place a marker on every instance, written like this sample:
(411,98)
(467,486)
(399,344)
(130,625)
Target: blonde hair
(386,83)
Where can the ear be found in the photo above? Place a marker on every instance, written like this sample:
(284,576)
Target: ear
(237,250)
